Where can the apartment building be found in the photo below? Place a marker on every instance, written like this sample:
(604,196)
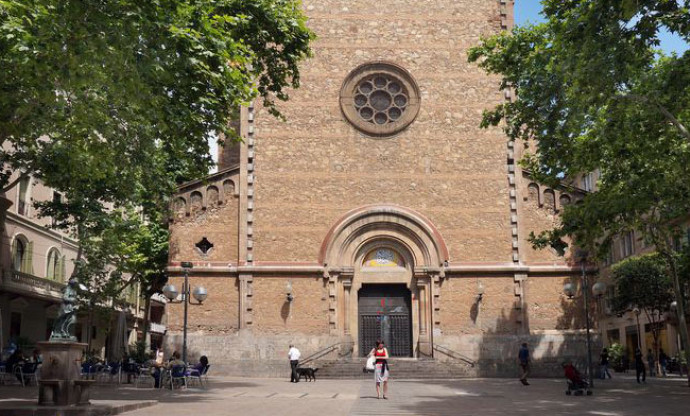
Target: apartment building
(35,262)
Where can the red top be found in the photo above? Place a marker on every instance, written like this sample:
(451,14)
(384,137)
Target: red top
(380,353)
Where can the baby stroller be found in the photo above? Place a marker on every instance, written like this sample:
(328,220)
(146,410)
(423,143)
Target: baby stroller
(576,384)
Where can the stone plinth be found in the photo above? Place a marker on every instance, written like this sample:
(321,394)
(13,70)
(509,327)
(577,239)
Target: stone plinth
(60,383)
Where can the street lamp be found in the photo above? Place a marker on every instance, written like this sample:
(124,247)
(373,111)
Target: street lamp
(199,293)
(598,290)
(636,311)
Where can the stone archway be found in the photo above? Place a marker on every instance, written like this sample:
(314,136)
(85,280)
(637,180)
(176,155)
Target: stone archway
(421,252)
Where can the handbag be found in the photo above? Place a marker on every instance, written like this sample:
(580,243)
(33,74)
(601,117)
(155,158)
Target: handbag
(370,364)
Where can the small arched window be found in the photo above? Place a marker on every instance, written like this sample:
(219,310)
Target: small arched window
(56,267)
(22,255)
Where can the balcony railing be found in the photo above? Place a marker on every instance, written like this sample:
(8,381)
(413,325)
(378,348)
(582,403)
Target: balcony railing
(157,328)
(15,280)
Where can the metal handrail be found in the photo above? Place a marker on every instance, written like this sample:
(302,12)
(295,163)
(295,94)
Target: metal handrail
(325,351)
(453,354)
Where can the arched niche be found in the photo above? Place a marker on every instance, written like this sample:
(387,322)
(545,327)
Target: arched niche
(410,231)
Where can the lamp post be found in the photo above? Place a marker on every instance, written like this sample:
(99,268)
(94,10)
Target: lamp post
(598,290)
(199,293)
(636,311)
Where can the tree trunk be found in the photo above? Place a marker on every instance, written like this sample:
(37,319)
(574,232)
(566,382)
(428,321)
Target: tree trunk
(680,310)
(147,317)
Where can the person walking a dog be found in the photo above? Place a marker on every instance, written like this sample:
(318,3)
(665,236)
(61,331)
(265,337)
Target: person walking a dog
(381,368)
(293,355)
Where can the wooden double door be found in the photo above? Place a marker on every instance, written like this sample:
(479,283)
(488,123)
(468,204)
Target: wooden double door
(385,314)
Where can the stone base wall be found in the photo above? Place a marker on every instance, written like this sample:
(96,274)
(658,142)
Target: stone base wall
(245,354)
(496,355)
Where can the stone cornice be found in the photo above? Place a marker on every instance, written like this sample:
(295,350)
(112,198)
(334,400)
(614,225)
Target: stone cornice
(22,221)
(315,269)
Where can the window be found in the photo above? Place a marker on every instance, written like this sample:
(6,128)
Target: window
(56,266)
(18,254)
(23,200)
(380,99)
(22,256)
(627,244)
(587,181)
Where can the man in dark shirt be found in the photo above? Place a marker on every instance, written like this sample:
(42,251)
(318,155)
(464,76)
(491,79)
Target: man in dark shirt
(523,358)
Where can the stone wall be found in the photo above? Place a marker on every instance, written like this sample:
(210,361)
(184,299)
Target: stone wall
(461,312)
(206,209)
(307,314)
(218,315)
(315,167)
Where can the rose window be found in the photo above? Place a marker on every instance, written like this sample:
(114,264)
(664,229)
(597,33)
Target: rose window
(380,99)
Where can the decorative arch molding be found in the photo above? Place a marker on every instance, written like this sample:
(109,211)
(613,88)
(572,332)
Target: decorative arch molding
(407,228)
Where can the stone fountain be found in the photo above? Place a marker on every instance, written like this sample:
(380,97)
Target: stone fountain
(60,380)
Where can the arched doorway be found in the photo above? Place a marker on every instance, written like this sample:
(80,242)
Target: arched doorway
(385,313)
(388,254)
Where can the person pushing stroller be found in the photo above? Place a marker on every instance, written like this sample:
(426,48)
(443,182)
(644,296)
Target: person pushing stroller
(575,381)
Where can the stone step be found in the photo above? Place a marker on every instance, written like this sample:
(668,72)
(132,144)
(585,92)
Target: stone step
(399,368)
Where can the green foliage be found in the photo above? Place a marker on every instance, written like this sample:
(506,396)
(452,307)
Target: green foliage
(593,92)
(112,103)
(138,352)
(616,354)
(642,282)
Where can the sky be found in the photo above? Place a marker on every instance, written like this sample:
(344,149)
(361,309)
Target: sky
(527,11)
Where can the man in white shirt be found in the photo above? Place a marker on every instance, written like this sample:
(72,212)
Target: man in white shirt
(294,355)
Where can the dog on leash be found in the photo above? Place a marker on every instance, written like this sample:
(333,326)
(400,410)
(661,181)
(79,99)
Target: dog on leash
(309,373)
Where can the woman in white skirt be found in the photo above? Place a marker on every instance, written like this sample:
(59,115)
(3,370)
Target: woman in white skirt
(381,369)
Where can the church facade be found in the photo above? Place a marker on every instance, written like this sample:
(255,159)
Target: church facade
(378,209)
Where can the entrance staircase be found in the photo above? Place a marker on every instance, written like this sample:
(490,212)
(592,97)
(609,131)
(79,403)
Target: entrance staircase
(336,362)
(400,369)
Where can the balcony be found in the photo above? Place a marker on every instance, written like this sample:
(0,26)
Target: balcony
(157,328)
(28,284)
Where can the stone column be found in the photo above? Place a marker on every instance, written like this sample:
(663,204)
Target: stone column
(425,347)
(245,312)
(347,287)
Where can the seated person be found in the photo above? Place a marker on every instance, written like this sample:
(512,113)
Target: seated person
(573,375)
(198,368)
(174,360)
(14,363)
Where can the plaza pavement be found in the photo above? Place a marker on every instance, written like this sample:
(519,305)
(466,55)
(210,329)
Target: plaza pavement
(257,397)
(621,396)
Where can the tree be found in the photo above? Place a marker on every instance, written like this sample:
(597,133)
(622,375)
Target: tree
(593,92)
(112,91)
(643,283)
(112,103)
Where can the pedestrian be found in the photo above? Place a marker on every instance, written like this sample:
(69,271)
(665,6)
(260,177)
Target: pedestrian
(381,369)
(650,363)
(523,358)
(293,355)
(639,366)
(604,363)
(663,360)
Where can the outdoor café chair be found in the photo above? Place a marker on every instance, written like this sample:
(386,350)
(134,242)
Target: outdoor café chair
(179,373)
(27,372)
(145,376)
(197,375)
